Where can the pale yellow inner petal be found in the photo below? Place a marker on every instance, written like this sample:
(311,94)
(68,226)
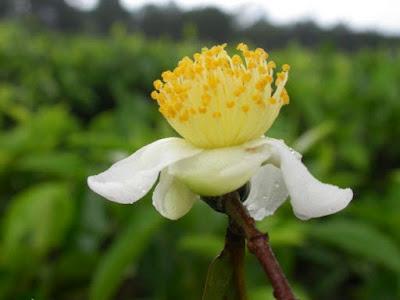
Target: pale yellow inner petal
(215,100)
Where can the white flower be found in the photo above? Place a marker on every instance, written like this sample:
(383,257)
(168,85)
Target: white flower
(221,107)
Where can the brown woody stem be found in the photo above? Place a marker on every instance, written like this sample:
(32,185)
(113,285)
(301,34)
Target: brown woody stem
(235,244)
(258,244)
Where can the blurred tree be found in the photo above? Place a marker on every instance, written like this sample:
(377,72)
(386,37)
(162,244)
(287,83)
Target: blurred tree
(209,23)
(273,36)
(10,8)
(4,8)
(155,21)
(53,14)
(212,24)
(108,12)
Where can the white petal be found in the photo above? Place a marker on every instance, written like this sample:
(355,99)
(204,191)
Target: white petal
(267,192)
(310,198)
(131,178)
(172,198)
(219,171)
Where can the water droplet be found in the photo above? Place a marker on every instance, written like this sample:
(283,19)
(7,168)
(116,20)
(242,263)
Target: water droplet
(276,185)
(265,198)
(260,214)
(251,207)
(257,216)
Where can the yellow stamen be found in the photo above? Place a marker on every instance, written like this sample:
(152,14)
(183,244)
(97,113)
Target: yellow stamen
(216,100)
(216,114)
(285,67)
(230,104)
(154,95)
(202,109)
(271,65)
(158,84)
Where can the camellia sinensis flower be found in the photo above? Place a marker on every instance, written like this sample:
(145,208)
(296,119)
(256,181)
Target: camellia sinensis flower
(221,106)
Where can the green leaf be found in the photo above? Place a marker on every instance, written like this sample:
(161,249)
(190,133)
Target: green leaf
(311,137)
(356,155)
(225,277)
(282,232)
(219,277)
(36,222)
(124,252)
(64,164)
(267,293)
(50,126)
(359,239)
(204,245)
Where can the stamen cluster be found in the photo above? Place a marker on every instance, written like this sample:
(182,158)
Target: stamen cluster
(215,100)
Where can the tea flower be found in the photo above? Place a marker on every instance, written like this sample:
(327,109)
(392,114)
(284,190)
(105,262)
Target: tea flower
(221,106)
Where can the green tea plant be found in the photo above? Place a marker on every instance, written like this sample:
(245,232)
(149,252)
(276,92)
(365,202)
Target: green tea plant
(72,105)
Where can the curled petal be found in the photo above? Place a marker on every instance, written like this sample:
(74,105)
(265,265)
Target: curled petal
(310,198)
(267,192)
(131,178)
(219,171)
(172,198)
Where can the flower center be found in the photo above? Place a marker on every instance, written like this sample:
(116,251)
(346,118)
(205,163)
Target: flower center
(216,100)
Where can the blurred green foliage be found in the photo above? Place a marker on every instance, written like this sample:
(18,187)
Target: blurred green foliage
(72,105)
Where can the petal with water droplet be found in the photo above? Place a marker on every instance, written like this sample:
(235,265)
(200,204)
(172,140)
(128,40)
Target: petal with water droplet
(267,192)
(310,198)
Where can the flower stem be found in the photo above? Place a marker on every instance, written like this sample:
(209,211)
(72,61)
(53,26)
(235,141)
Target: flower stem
(235,243)
(258,244)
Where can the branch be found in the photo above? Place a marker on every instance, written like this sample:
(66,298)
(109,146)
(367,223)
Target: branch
(258,244)
(234,243)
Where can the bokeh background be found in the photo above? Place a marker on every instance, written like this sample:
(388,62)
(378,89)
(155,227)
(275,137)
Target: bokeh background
(75,79)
